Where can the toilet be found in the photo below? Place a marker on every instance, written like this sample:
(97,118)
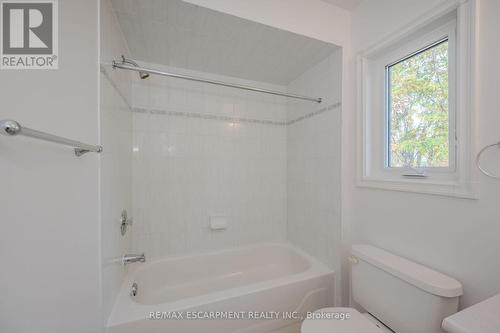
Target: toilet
(398,295)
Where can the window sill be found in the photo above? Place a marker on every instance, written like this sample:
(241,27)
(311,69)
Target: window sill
(448,189)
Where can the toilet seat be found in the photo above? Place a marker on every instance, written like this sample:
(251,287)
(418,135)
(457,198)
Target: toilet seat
(327,320)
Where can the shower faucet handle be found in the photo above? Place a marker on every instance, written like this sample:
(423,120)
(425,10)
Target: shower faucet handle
(125,222)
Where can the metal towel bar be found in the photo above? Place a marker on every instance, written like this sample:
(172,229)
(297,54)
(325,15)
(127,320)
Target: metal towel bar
(13,128)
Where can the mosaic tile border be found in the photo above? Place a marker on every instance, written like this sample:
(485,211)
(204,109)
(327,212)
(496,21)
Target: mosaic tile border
(314,113)
(208,116)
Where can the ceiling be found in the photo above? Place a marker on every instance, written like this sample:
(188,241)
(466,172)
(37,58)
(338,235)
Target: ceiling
(179,34)
(346,4)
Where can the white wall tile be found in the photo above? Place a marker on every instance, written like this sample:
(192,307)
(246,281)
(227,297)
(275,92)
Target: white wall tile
(272,182)
(189,168)
(313,164)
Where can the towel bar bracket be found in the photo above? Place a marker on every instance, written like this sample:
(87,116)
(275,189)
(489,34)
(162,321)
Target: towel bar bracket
(79,152)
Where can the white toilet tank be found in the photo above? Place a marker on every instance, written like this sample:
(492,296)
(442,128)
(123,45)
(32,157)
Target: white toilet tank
(405,296)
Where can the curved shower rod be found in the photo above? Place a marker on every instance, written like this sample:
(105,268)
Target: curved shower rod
(131,65)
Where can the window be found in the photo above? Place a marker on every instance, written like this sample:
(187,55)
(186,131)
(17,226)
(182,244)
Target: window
(418,109)
(415,106)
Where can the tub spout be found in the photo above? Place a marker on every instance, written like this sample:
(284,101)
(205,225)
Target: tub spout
(131,258)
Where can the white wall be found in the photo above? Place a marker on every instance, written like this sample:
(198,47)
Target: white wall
(49,244)
(191,160)
(456,236)
(116,159)
(313,164)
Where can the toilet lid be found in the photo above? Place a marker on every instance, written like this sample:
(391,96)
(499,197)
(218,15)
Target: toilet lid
(338,320)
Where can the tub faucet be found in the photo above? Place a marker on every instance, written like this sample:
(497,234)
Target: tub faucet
(131,258)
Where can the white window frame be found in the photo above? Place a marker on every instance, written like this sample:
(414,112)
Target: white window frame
(447,32)
(453,21)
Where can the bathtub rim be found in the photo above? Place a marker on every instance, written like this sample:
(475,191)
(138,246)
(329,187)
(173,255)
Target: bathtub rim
(125,310)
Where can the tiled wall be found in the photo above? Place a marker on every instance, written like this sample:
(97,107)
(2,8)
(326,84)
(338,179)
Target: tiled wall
(202,150)
(116,158)
(263,161)
(313,163)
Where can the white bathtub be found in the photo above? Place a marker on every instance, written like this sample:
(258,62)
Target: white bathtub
(266,281)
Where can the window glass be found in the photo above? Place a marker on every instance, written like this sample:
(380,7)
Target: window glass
(417,100)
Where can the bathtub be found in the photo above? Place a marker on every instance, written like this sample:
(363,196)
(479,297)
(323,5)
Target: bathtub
(259,288)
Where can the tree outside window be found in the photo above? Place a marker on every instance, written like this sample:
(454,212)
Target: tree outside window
(418,110)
